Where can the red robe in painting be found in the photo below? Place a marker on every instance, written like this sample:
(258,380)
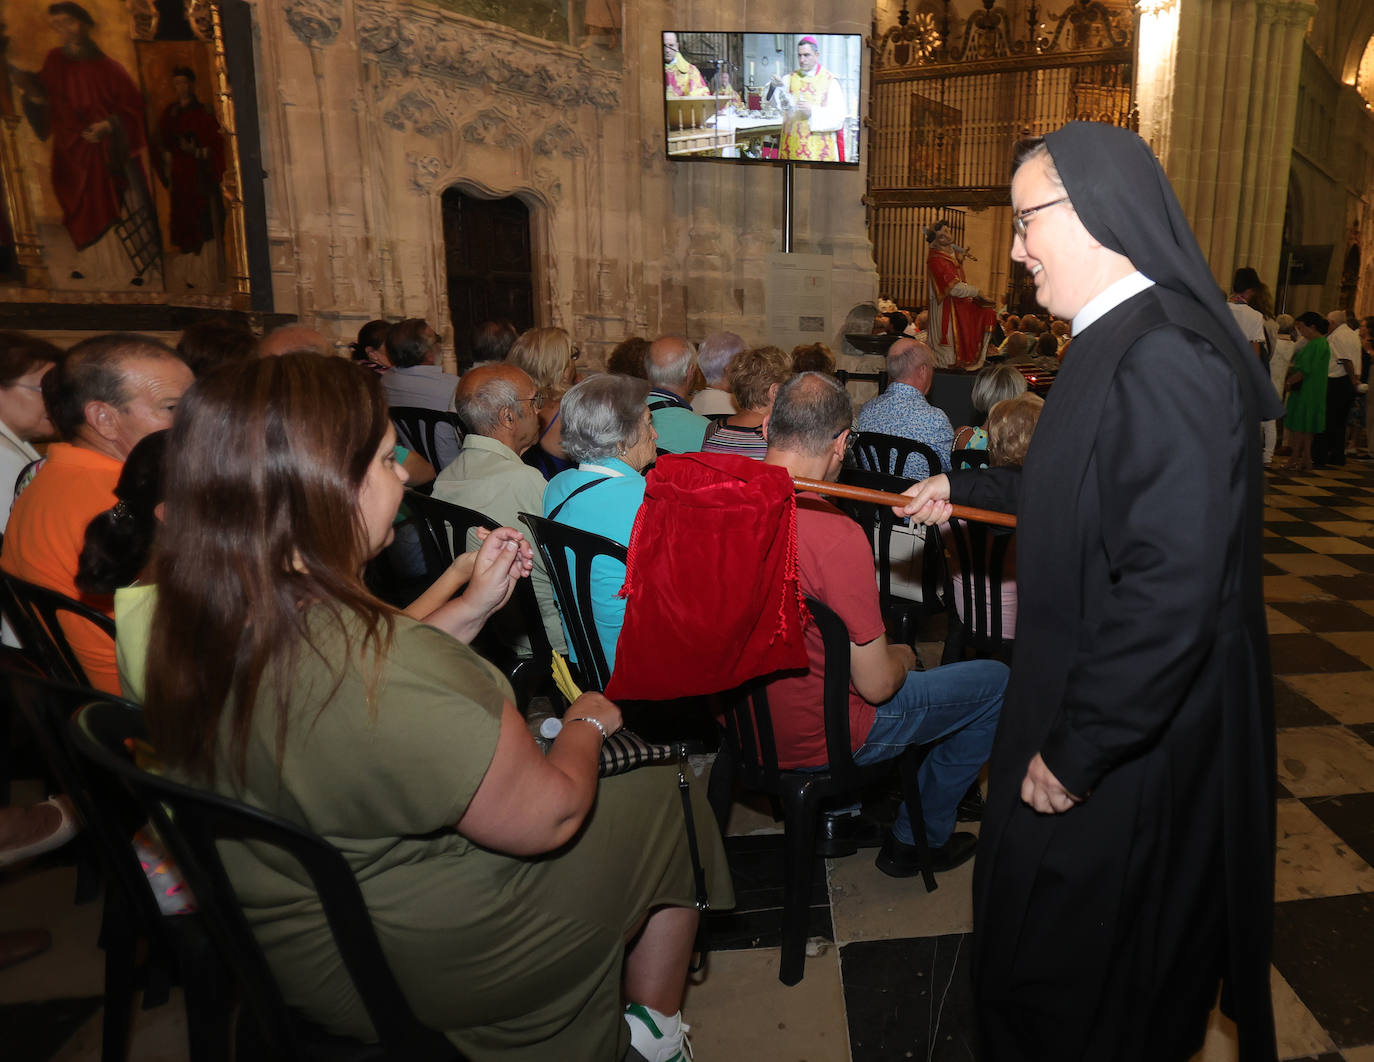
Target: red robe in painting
(191,137)
(89,178)
(955,322)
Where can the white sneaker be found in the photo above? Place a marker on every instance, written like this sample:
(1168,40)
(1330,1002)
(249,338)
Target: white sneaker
(655,1037)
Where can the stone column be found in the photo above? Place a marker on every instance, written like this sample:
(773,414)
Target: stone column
(1217,87)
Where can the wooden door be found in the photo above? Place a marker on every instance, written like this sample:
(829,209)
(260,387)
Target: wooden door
(490,272)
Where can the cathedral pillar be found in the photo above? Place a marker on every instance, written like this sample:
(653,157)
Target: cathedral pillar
(1217,85)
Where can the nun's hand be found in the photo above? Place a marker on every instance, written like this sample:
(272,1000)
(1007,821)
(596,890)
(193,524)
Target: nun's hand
(1042,791)
(929,502)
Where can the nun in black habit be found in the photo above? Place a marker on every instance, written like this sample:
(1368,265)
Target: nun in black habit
(1125,864)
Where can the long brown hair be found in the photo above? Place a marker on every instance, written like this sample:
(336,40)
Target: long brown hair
(265,462)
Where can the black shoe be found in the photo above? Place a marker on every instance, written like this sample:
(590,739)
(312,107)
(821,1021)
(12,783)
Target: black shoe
(898,860)
(970,809)
(842,835)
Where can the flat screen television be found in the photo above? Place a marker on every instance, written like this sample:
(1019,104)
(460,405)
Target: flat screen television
(762,97)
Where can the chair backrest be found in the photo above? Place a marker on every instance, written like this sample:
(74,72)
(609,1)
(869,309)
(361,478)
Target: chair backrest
(192,822)
(568,553)
(968,459)
(422,431)
(748,721)
(110,817)
(442,528)
(981,551)
(877,452)
(878,522)
(36,614)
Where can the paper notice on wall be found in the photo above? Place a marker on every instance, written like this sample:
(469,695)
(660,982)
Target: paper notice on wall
(798,299)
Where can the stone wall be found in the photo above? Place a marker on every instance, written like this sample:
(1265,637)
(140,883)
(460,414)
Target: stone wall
(372,108)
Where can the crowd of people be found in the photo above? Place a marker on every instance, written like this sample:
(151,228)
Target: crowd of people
(222,502)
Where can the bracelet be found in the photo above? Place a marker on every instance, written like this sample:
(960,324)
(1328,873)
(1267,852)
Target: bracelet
(588,719)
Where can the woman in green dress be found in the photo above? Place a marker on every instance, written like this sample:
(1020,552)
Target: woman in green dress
(526,910)
(1306,385)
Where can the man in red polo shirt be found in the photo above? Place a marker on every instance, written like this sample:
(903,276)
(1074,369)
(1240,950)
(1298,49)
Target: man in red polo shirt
(105,395)
(891,706)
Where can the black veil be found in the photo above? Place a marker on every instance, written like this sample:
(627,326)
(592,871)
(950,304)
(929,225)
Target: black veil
(1125,201)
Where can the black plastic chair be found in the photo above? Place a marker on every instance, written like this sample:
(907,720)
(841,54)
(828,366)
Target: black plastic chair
(571,577)
(174,948)
(878,522)
(748,754)
(36,615)
(442,530)
(876,452)
(429,433)
(968,459)
(194,822)
(981,551)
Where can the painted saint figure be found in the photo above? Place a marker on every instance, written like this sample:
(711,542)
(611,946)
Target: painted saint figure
(961,320)
(680,78)
(93,111)
(194,151)
(814,106)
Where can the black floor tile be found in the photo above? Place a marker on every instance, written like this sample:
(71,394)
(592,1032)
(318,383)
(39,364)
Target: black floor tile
(1284,545)
(1321,947)
(1293,528)
(1268,567)
(1346,587)
(1362,561)
(1311,514)
(746,930)
(1280,792)
(1352,819)
(757,870)
(1323,616)
(1365,730)
(910,999)
(32,1032)
(1291,708)
(1307,654)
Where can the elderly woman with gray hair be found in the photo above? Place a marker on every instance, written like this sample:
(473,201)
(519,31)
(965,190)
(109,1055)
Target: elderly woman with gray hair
(994,383)
(608,431)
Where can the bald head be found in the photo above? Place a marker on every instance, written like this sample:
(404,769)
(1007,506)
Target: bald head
(498,400)
(669,363)
(293,339)
(910,361)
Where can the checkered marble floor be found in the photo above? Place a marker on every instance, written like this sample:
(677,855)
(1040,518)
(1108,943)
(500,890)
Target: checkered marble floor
(888,976)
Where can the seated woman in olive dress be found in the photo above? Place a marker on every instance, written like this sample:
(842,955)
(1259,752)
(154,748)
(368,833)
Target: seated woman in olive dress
(520,904)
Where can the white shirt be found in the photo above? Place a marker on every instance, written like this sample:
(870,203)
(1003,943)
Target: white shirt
(1251,322)
(1345,346)
(1109,298)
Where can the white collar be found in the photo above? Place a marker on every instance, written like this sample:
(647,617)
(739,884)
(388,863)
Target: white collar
(1109,298)
(587,466)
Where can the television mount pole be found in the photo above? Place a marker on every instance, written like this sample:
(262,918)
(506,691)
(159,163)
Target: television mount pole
(787,206)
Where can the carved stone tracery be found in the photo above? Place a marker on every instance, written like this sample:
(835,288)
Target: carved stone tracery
(315,21)
(474,54)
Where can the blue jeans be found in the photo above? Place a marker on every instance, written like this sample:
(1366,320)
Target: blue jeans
(956,705)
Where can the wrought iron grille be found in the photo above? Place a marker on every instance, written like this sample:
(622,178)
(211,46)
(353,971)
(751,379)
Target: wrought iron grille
(950,98)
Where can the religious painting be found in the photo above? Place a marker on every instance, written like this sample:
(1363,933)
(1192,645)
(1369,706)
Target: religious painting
(118,155)
(936,138)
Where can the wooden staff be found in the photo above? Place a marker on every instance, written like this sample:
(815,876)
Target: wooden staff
(882,497)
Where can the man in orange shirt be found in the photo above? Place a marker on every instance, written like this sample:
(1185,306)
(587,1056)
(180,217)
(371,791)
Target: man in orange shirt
(106,395)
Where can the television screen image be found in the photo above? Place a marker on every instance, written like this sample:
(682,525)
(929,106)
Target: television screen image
(762,97)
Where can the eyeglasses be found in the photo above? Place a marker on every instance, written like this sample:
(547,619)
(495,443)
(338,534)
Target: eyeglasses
(850,442)
(576,353)
(1019,219)
(535,400)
